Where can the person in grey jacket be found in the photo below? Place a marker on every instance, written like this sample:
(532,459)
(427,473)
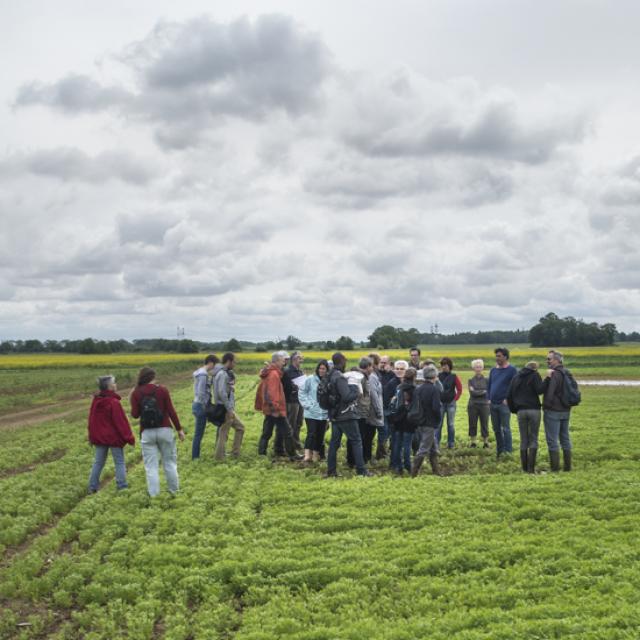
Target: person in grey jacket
(344,418)
(478,405)
(224,393)
(314,415)
(376,413)
(201,397)
(429,396)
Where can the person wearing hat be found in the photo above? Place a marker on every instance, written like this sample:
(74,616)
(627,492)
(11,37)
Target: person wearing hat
(429,396)
(523,399)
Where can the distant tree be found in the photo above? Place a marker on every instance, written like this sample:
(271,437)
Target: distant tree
(345,343)
(292,343)
(552,331)
(330,345)
(187,346)
(233,345)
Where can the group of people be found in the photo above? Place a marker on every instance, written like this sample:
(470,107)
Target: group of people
(404,403)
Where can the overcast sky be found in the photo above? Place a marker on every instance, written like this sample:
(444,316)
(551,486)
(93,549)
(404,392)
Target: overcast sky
(255,169)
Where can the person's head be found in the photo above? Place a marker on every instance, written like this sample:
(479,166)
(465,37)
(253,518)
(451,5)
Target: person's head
(533,365)
(228,360)
(502,355)
(365,365)
(430,373)
(211,361)
(446,364)
(297,358)
(339,361)
(107,383)
(414,353)
(427,362)
(477,365)
(410,376)
(146,375)
(554,358)
(400,368)
(322,368)
(375,360)
(278,359)
(385,363)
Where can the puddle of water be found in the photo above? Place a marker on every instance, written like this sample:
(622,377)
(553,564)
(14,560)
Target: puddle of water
(609,383)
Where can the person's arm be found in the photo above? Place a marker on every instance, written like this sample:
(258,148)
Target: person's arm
(509,398)
(135,404)
(304,395)
(90,420)
(201,388)
(347,392)
(376,400)
(489,385)
(222,391)
(458,389)
(538,384)
(553,384)
(171,411)
(120,422)
(436,405)
(287,386)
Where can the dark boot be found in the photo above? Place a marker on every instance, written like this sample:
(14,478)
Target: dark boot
(531,464)
(263,443)
(415,469)
(524,459)
(554,459)
(566,454)
(381,452)
(435,463)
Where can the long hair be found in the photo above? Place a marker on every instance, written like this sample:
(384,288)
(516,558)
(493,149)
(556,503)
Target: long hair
(146,375)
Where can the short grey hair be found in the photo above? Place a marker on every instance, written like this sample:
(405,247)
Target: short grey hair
(104,382)
(430,372)
(477,362)
(365,362)
(556,355)
(276,356)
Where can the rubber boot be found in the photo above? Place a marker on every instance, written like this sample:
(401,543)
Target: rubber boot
(531,464)
(415,469)
(554,459)
(524,459)
(566,454)
(435,463)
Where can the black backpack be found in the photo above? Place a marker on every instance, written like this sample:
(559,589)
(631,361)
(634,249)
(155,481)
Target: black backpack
(397,408)
(150,414)
(415,412)
(571,396)
(326,395)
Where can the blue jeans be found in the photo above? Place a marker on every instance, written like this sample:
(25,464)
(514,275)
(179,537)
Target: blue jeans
(448,409)
(98,464)
(160,442)
(350,429)
(556,427)
(500,421)
(401,451)
(198,410)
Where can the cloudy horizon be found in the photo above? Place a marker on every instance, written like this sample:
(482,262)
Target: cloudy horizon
(267,168)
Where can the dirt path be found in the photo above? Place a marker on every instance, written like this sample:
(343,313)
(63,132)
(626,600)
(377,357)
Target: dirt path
(66,408)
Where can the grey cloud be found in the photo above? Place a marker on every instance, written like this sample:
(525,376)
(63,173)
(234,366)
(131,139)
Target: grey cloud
(72,94)
(145,228)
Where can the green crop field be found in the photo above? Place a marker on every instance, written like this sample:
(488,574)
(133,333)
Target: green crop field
(255,550)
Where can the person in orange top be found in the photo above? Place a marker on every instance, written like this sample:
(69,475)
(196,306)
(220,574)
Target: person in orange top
(271,401)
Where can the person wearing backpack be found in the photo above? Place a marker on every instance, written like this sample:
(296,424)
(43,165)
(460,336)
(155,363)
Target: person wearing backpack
(427,414)
(403,428)
(399,369)
(343,415)
(560,394)
(224,394)
(108,429)
(314,415)
(449,396)
(151,403)
(523,399)
(201,398)
(367,431)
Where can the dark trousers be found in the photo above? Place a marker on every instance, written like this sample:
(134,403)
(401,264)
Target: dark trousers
(283,431)
(315,434)
(478,412)
(295,413)
(367,434)
(350,429)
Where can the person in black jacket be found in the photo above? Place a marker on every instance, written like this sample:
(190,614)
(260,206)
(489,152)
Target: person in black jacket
(344,418)
(403,429)
(523,398)
(431,412)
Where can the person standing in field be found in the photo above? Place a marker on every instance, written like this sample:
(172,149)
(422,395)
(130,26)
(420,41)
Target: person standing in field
(271,401)
(224,393)
(375,419)
(523,399)
(499,380)
(108,429)
(431,410)
(151,403)
(314,415)
(385,374)
(367,430)
(343,418)
(557,412)
(478,406)
(449,396)
(400,368)
(202,397)
(402,428)
(294,409)
(414,358)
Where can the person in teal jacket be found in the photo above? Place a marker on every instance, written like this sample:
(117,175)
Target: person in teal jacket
(314,415)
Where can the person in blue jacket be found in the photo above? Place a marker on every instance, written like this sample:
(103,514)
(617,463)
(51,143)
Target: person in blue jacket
(497,389)
(314,415)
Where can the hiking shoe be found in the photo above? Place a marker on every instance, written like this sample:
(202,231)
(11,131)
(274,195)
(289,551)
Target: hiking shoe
(296,458)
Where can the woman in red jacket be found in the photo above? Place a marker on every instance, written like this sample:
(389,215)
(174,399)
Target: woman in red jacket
(108,429)
(151,403)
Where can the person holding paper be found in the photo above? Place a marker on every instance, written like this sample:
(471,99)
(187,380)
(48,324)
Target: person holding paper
(314,415)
